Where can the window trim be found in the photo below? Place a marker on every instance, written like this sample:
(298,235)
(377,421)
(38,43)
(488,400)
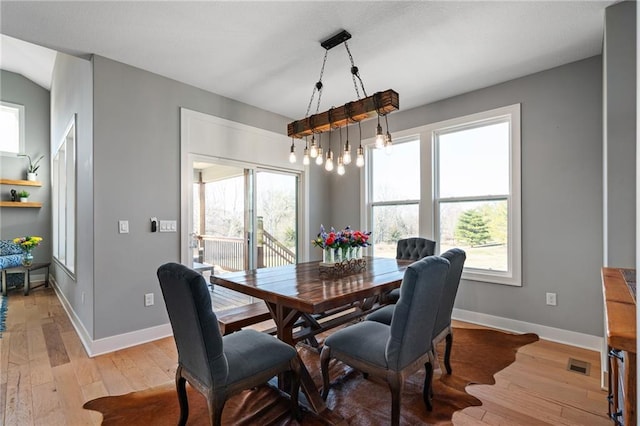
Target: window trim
(367,190)
(21,129)
(513,275)
(69,263)
(427,203)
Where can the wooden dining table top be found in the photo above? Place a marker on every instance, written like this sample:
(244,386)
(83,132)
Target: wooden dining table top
(304,288)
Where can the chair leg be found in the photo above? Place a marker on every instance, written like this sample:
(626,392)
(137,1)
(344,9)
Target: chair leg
(295,388)
(447,351)
(182,397)
(217,413)
(395,386)
(325,356)
(215,404)
(426,389)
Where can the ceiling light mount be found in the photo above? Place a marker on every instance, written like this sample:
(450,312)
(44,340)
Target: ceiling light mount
(336,40)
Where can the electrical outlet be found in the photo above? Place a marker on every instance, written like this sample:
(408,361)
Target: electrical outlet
(552,299)
(123,226)
(148,299)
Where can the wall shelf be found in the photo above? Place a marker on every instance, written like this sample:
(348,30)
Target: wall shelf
(32,204)
(20,182)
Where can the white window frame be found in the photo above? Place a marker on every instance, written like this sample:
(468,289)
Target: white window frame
(513,274)
(429,206)
(63,182)
(21,127)
(369,188)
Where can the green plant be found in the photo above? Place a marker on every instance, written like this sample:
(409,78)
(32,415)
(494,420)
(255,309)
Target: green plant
(33,165)
(472,228)
(23,194)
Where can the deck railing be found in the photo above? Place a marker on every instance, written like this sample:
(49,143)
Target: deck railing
(274,253)
(229,253)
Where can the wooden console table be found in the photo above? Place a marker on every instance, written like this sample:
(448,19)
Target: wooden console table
(619,289)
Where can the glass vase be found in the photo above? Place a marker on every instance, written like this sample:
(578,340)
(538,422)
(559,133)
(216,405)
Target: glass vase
(27,258)
(357,253)
(345,253)
(327,255)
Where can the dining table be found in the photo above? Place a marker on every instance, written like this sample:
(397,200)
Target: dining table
(308,298)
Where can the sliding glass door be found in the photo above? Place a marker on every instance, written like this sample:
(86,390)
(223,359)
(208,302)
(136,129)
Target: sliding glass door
(276,221)
(243,217)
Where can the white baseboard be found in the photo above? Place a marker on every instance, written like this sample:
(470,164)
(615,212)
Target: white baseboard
(81,331)
(111,343)
(126,340)
(567,337)
(37,278)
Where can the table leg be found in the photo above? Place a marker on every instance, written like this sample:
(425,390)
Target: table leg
(27,282)
(4,283)
(285,318)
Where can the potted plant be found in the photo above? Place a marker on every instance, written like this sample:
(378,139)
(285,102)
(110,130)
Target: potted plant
(27,244)
(24,196)
(33,166)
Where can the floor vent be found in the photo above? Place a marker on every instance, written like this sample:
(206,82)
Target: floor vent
(578,366)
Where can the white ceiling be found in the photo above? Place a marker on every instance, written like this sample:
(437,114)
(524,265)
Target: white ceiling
(267,53)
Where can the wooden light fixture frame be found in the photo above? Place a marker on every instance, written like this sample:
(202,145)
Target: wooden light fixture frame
(379,103)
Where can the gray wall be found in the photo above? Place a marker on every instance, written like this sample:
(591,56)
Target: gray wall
(72,93)
(561,194)
(137,176)
(619,86)
(18,222)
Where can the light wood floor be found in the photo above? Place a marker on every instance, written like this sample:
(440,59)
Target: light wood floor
(46,377)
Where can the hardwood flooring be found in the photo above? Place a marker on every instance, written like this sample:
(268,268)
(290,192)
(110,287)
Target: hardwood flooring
(46,377)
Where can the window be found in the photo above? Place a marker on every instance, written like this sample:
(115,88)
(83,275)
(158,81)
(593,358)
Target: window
(477,192)
(11,128)
(64,200)
(394,192)
(466,194)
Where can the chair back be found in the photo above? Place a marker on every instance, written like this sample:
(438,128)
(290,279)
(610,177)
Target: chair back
(415,248)
(194,324)
(415,313)
(456,258)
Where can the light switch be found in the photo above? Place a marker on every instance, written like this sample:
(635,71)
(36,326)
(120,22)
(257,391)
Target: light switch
(123,226)
(168,226)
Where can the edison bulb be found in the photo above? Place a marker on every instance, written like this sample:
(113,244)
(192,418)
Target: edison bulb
(319,158)
(347,155)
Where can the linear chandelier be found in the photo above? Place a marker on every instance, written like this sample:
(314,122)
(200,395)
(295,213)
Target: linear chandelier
(380,104)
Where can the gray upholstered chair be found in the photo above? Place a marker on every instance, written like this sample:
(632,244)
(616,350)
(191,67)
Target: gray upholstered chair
(393,352)
(414,248)
(218,366)
(442,330)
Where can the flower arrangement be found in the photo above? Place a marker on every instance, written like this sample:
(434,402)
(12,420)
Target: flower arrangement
(28,243)
(341,245)
(341,239)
